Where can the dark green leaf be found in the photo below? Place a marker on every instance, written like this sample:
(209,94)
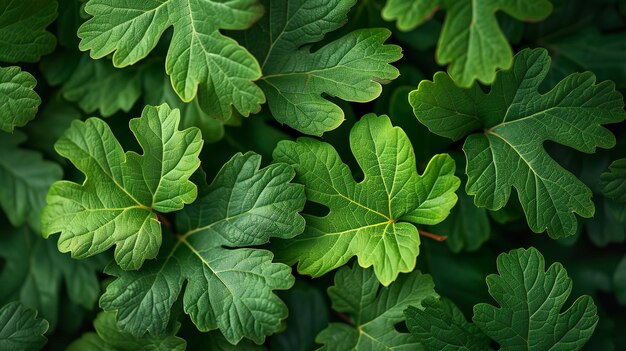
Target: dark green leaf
(531,299)
(441,326)
(507,127)
(228,287)
(20,329)
(373,310)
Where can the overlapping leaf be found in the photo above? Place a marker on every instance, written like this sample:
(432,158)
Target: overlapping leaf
(295,78)
(619,281)
(471,40)
(20,329)
(35,273)
(18,100)
(467,227)
(613,182)
(25,178)
(372,219)
(589,50)
(441,326)
(229,285)
(23,29)
(373,310)
(507,127)
(531,299)
(98,86)
(116,203)
(108,337)
(200,60)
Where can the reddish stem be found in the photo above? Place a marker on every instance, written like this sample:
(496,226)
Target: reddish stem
(432,236)
(163,220)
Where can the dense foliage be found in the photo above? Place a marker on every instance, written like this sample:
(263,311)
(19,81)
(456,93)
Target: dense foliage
(312,174)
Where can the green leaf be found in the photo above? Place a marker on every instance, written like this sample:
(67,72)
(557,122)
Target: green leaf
(229,285)
(158,90)
(294,78)
(531,299)
(20,329)
(467,227)
(35,272)
(441,326)
(471,40)
(373,310)
(372,219)
(22,29)
(109,338)
(308,315)
(589,50)
(619,281)
(409,14)
(95,85)
(200,60)
(116,203)
(25,178)
(613,182)
(51,122)
(18,100)
(506,129)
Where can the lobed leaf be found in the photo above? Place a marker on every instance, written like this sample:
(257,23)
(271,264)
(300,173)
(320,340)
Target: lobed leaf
(20,329)
(229,284)
(25,178)
(108,337)
(295,77)
(471,41)
(373,310)
(613,182)
(23,29)
(36,273)
(372,219)
(18,100)
(531,299)
(200,60)
(116,203)
(441,326)
(506,128)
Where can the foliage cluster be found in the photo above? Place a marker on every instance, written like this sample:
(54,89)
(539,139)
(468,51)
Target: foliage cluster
(270,175)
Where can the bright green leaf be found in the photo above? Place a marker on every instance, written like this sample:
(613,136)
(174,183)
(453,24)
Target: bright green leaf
(25,178)
(373,219)
(116,203)
(441,326)
(228,287)
(158,90)
(294,78)
(373,310)
(531,299)
(18,100)
(20,329)
(409,13)
(200,60)
(23,29)
(471,40)
(613,182)
(108,337)
(35,272)
(507,127)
